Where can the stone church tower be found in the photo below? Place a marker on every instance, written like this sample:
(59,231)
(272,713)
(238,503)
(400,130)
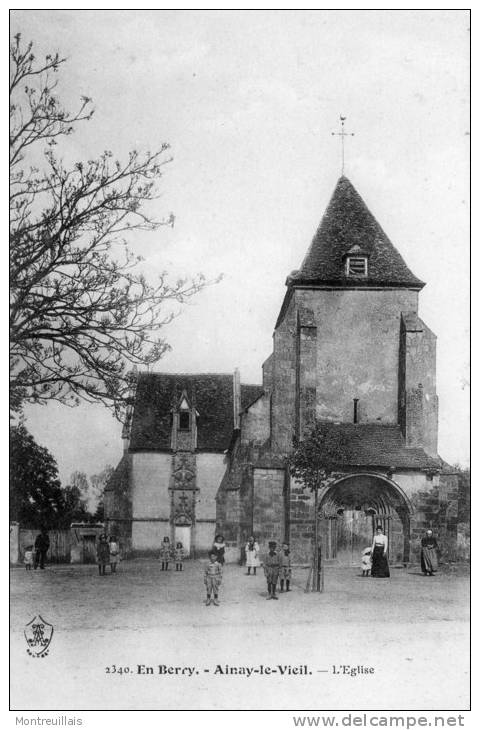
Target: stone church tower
(349,349)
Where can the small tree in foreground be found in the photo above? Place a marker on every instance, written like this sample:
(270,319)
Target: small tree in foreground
(81,313)
(312,463)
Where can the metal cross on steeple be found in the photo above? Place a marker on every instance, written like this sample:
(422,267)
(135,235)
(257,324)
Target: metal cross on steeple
(343,134)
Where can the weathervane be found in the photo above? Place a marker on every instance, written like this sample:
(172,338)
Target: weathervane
(343,134)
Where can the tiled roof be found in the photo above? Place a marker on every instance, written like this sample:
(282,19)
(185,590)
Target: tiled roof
(348,223)
(376,445)
(213,394)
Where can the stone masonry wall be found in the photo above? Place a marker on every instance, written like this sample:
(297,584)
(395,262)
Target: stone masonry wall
(358,341)
(268,506)
(255,422)
(306,378)
(301,523)
(418,402)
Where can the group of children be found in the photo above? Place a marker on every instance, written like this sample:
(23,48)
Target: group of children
(168,554)
(108,553)
(276,566)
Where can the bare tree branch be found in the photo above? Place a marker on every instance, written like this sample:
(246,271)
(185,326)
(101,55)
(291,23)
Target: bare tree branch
(81,314)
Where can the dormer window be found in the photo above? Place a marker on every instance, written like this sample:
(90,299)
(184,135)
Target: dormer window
(356,266)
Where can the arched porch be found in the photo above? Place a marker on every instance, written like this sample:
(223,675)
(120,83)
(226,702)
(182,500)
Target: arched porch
(349,510)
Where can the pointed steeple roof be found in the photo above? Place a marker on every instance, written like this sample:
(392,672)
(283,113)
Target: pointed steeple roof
(348,227)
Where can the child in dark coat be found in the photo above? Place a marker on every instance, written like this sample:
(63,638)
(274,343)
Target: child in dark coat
(213,579)
(103,554)
(271,567)
(285,567)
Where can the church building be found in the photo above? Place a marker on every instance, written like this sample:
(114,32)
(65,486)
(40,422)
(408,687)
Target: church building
(205,454)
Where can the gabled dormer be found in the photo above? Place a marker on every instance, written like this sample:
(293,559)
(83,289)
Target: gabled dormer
(184,418)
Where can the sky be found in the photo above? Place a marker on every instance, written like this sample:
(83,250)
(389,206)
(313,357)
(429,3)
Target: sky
(248,101)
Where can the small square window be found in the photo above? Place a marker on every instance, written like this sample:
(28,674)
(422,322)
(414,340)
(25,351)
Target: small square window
(357,266)
(184,423)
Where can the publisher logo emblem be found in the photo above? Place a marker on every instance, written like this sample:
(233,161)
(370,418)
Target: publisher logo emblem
(38,635)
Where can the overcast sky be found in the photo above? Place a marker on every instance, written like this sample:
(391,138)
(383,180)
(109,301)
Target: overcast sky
(248,101)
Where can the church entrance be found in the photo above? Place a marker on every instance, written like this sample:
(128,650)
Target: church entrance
(350,511)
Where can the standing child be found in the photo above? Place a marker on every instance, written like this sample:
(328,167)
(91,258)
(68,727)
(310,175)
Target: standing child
(114,554)
(103,554)
(366,562)
(28,557)
(252,551)
(285,567)
(165,552)
(179,556)
(219,548)
(213,579)
(271,566)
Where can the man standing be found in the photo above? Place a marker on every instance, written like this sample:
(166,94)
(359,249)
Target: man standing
(271,567)
(42,543)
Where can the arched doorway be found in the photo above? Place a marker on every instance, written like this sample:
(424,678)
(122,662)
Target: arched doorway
(352,507)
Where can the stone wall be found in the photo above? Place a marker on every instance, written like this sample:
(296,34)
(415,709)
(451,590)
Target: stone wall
(435,505)
(301,525)
(267,373)
(255,422)
(147,535)
(150,481)
(306,375)
(418,401)
(210,471)
(169,488)
(268,505)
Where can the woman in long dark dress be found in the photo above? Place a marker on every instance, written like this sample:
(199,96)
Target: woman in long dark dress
(429,557)
(380,567)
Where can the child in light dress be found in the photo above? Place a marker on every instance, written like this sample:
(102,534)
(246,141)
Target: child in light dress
(179,556)
(165,552)
(114,554)
(366,562)
(28,557)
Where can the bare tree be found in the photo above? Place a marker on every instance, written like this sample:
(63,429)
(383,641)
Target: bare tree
(81,312)
(97,487)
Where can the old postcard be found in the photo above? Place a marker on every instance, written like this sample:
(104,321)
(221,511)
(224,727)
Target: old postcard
(239,261)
